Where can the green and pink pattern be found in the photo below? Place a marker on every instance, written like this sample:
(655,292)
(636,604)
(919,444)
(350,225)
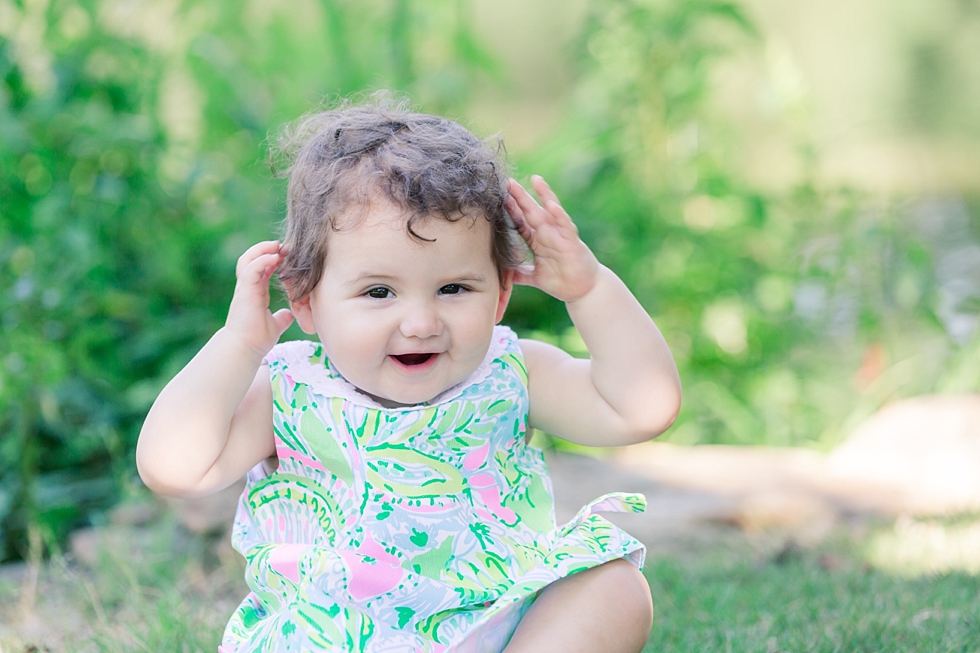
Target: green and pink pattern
(429,528)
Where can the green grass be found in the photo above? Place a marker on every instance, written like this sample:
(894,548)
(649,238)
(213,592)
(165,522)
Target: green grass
(150,589)
(158,589)
(809,601)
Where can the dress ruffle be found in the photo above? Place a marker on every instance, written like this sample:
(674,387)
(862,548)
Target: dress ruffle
(588,540)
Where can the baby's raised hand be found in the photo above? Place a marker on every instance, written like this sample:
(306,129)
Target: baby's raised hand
(249,317)
(564,266)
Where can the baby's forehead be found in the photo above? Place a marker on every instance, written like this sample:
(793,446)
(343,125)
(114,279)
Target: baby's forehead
(382,213)
(379,246)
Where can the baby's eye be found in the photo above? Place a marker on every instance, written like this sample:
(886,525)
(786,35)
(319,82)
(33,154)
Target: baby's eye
(378,293)
(451,289)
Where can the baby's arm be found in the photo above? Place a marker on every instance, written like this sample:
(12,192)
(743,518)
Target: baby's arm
(628,390)
(213,421)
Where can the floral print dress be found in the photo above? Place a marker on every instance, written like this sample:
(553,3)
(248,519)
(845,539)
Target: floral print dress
(426,528)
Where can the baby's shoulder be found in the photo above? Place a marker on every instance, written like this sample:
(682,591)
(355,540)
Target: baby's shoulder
(544,359)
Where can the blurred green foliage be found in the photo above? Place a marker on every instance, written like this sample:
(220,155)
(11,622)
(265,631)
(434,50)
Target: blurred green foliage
(112,268)
(792,315)
(131,178)
(131,147)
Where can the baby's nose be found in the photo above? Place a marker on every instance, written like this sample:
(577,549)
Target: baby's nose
(421,321)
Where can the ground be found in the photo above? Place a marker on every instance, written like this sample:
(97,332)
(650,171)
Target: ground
(721,522)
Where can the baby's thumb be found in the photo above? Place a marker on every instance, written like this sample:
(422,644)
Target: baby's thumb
(283,318)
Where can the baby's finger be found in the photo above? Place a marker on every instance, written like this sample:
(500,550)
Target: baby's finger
(253,252)
(543,190)
(260,269)
(517,216)
(521,196)
(551,204)
(534,215)
(283,318)
(513,210)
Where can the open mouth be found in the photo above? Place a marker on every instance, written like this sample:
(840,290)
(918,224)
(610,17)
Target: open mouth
(412,359)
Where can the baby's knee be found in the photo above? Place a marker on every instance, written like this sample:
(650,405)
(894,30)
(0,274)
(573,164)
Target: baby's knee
(629,590)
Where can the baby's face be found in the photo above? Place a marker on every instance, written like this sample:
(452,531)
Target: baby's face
(401,319)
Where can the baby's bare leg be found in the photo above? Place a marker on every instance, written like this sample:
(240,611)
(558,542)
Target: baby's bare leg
(606,608)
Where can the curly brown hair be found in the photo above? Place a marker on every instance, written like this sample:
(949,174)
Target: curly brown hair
(338,160)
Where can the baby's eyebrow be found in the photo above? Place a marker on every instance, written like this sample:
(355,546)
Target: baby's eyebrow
(369,276)
(366,277)
(469,278)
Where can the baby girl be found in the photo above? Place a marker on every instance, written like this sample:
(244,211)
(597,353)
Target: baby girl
(393,502)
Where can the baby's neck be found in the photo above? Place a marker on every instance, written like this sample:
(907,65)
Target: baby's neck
(388,403)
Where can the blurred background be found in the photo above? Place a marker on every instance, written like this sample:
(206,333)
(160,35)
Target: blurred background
(790,188)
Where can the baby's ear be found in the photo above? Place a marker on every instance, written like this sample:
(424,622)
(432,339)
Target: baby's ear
(506,288)
(303,312)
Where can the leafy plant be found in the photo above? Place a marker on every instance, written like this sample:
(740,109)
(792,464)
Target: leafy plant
(131,149)
(132,137)
(792,314)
